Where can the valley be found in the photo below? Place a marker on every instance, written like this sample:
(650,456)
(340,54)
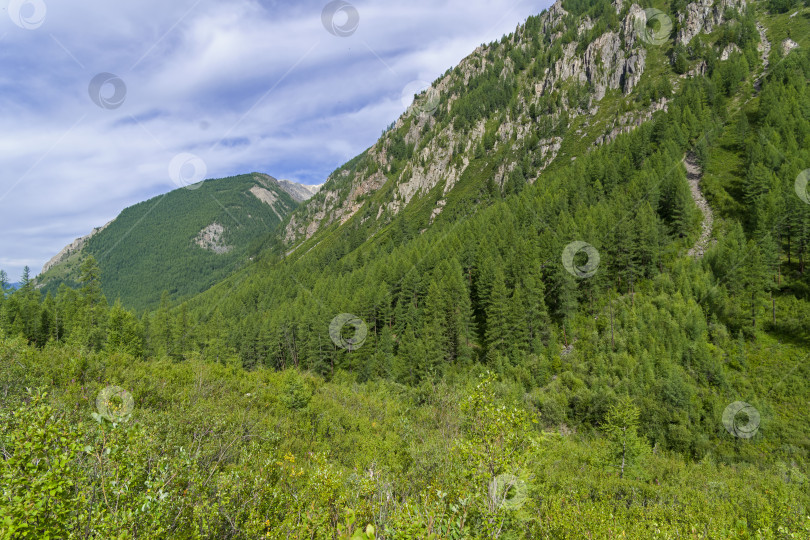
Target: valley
(564,295)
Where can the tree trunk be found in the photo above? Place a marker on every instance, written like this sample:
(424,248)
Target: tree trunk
(753,310)
(612,341)
(624,450)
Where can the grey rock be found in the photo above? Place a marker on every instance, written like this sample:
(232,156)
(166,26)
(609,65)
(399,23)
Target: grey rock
(730,49)
(703,16)
(788,45)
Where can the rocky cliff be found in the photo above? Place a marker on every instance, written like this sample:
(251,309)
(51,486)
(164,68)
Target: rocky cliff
(72,248)
(585,67)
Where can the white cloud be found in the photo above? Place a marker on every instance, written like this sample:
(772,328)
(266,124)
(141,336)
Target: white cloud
(266,75)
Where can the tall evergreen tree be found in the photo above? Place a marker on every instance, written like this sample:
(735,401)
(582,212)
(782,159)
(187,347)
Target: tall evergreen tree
(625,445)
(497,322)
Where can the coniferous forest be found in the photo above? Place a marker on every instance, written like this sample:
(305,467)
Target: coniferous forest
(574,347)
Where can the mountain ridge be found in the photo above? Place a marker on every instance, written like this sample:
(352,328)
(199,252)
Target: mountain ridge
(525,313)
(231,218)
(599,57)
(299,192)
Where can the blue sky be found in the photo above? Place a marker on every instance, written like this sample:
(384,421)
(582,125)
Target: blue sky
(98,98)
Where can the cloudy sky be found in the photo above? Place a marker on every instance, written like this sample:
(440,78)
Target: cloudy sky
(103,104)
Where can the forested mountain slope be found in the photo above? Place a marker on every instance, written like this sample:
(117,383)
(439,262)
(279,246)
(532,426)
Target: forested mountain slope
(488,325)
(563,83)
(182,242)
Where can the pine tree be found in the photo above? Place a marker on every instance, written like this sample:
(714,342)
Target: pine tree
(497,318)
(755,278)
(625,445)
(26,309)
(25,279)
(758,181)
(385,353)
(648,241)
(215,339)
(180,333)
(518,325)
(123,332)
(48,325)
(459,312)
(434,332)
(566,299)
(410,357)
(92,332)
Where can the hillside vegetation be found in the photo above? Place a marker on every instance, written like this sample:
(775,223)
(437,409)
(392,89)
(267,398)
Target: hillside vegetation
(491,324)
(181,242)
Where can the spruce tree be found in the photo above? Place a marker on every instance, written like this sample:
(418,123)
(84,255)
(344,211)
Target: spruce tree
(497,318)
(625,445)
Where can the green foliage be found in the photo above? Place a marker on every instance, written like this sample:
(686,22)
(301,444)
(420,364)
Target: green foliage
(38,495)
(150,247)
(213,451)
(495,395)
(782,6)
(621,430)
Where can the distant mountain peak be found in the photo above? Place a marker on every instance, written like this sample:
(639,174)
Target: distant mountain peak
(299,192)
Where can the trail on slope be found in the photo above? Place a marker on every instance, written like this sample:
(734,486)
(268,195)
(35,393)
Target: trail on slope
(693,175)
(765,48)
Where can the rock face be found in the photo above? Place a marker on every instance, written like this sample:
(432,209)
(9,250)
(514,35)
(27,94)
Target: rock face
(788,45)
(72,248)
(267,197)
(212,239)
(764,47)
(730,49)
(585,69)
(704,16)
(299,192)
(693,175)
(611,61)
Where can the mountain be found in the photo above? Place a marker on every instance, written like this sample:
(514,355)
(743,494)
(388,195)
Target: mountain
(561,85)
(565,296)
(181,242)
(299,192)
(593,122)
(603,202)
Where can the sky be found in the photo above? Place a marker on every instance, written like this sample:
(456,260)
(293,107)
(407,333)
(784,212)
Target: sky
(106,104)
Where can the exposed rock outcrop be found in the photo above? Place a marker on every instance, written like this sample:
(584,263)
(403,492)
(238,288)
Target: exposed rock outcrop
(212,238)
(614,60)
(72,248)
(299,192)
(788,45)
(764,47)
(704,16)
(328,207)
(730,49)
(267,197)
(609,62)
(697,71)
(693,175)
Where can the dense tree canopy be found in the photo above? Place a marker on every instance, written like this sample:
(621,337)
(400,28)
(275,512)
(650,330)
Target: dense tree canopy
(540,359)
